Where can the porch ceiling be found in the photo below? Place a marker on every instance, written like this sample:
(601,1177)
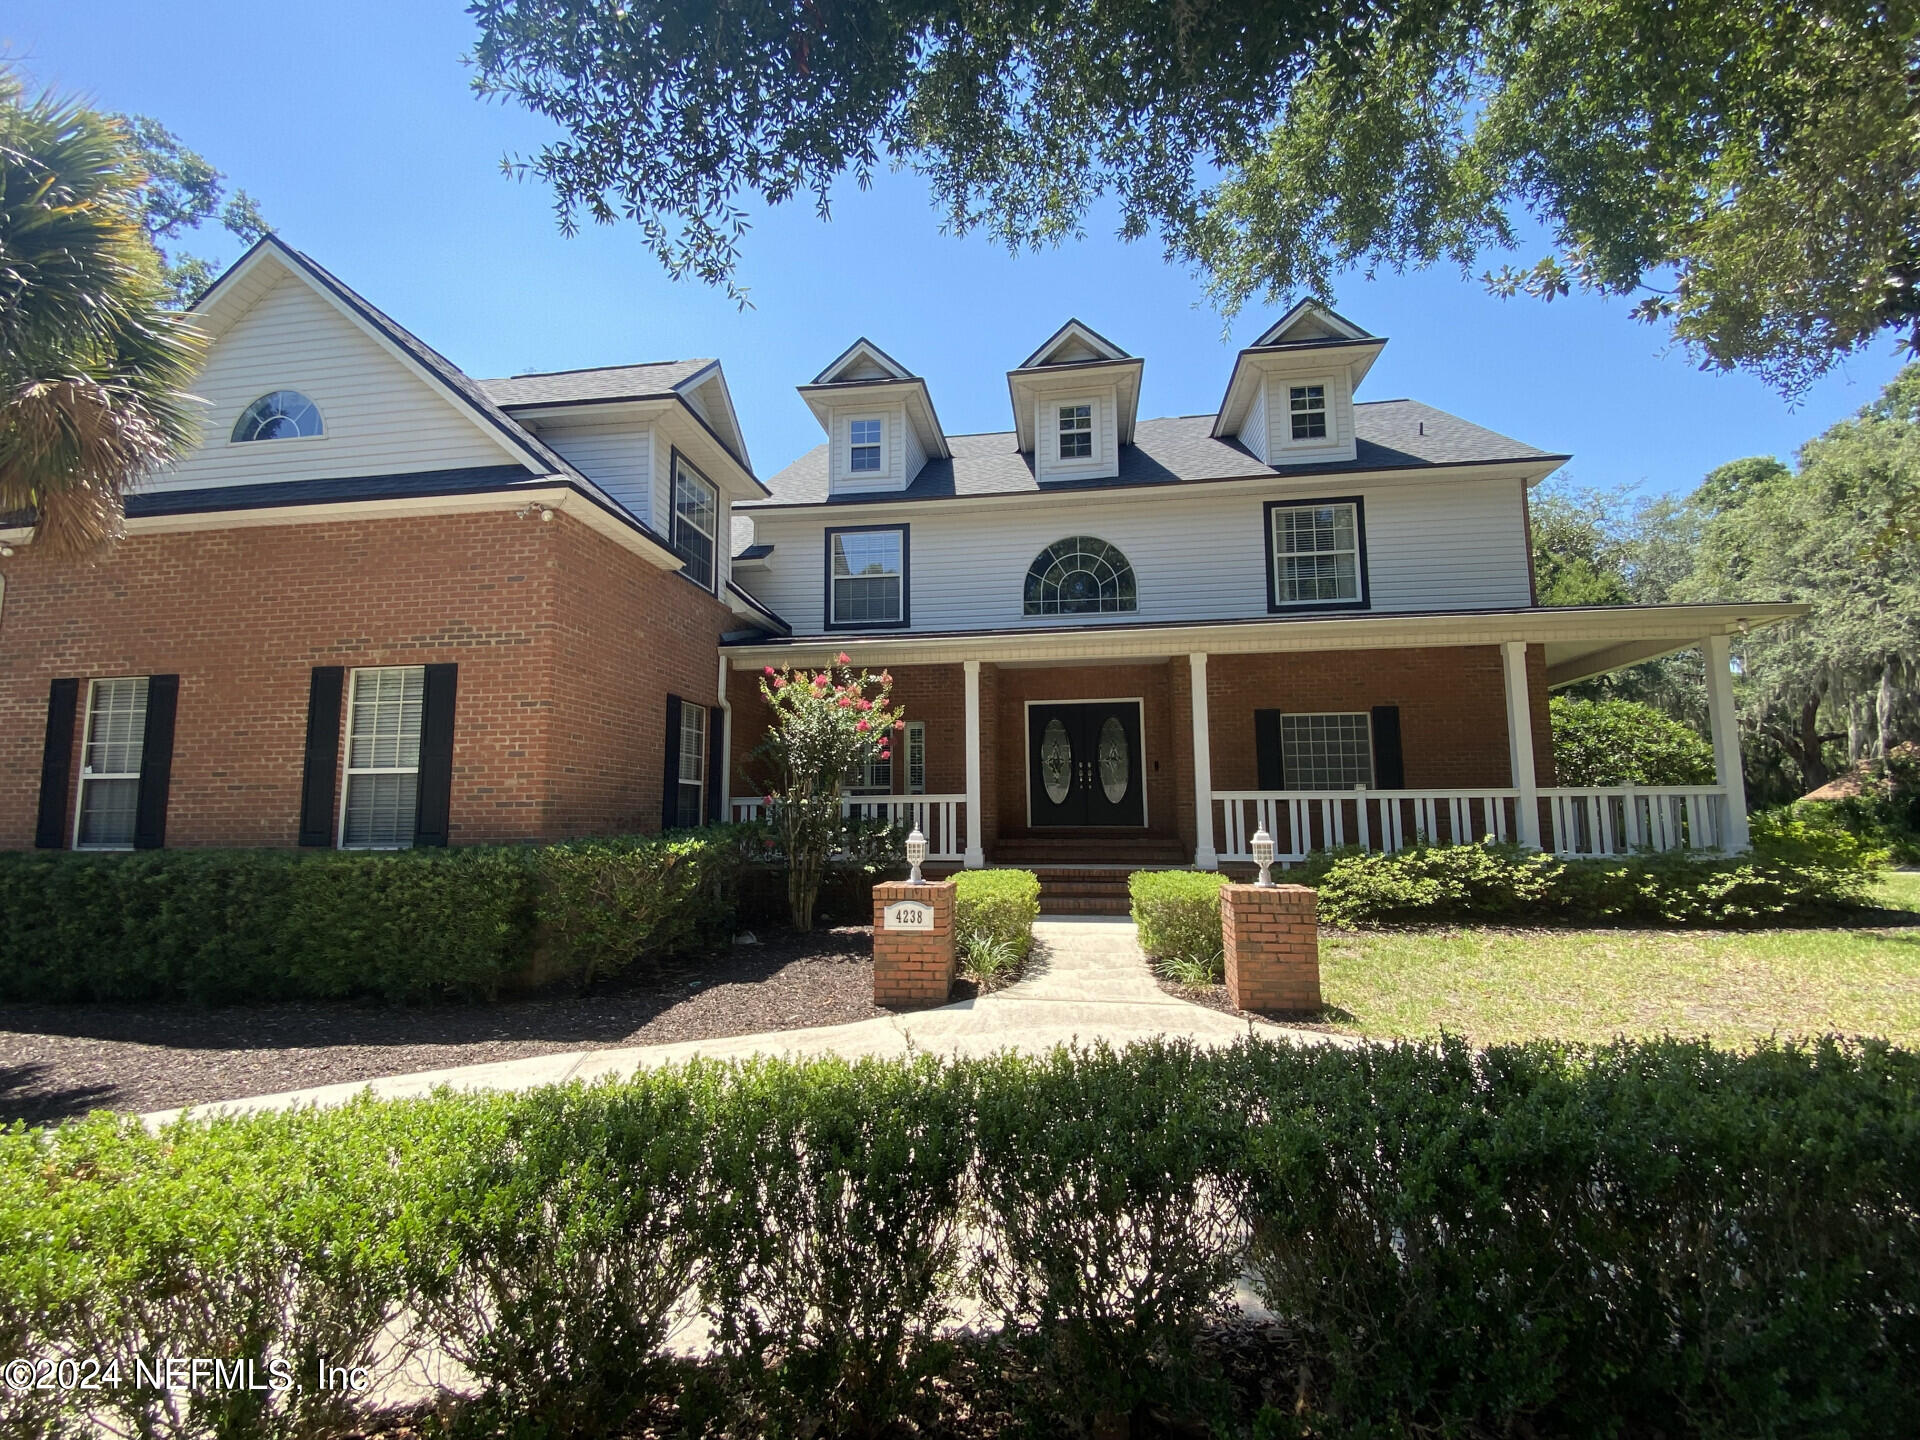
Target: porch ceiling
(1580,641)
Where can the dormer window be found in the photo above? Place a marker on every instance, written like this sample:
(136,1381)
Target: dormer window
(865,438)
(1076,432)
(280,415)
(1309,406)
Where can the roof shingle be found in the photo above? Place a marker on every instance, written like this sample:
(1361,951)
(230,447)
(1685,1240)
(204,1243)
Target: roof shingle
(605,382)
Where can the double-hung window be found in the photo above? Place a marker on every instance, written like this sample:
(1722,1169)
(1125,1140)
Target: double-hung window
(867,577)
(864,443)
(690,802)
(110,763)
(1326,752)
(1308,404)
(916,757)
(1076,432)
(1317,550)
(696,522)
(383,758)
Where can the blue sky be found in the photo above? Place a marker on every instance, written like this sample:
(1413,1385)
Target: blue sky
(353,125)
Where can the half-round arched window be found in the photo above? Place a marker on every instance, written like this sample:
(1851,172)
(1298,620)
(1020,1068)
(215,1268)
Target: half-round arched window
(282,415)
(1080,576)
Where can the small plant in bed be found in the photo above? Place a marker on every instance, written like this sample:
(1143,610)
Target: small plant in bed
(990,961)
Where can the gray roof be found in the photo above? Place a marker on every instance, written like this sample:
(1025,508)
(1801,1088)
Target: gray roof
(605,382)
(1392,435)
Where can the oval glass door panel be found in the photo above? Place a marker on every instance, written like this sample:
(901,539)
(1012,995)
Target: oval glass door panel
(1056,761)
(1113,760)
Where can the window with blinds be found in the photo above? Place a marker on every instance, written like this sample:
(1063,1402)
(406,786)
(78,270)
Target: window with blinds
(690,805)
(383,758)
(110,763)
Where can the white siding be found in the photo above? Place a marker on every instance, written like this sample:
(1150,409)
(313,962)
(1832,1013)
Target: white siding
(380,418)
(1445,544)
(1282,448)
(1104,463)
(893,474)
(1253,431)
(616,455)
(916,452)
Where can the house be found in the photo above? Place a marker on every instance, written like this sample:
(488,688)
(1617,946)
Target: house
(383,603)
(1126,641)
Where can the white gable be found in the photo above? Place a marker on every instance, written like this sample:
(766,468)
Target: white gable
(1310,320)
(863,360)
(380,417)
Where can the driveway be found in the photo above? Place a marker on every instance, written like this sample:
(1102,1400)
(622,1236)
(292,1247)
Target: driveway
(1085,981)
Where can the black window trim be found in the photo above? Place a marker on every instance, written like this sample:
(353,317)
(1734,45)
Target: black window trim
(1299,607)
(720,520)
(906,578)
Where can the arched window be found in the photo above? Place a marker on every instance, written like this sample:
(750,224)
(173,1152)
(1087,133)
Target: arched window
(280,416)
(1080,576)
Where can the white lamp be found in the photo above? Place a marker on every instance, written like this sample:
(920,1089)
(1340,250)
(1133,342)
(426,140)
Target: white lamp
(916,852)
(1263,855)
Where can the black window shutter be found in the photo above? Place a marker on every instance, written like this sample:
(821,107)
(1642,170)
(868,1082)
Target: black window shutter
(56,765)
(433,806)
(156,763)
(670,786)
(318,779)
(716,741)
(1389,768)
(1266,749)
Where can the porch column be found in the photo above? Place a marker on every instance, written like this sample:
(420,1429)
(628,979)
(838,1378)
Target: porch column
(976,857)
(1205,857)
(1520,744)
(1717,651)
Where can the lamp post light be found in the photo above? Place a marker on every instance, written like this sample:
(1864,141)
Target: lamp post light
(916,853)
(1263,855)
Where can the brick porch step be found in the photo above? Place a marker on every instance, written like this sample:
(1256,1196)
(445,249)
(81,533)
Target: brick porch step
(1085,890)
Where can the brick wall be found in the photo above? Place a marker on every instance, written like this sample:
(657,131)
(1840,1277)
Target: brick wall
(1453,708)
(243,614)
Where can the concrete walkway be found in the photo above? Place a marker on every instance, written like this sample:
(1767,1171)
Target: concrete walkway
(1086,980)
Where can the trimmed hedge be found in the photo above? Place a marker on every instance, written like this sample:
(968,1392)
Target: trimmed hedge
(1637,1239)
(257,925)
(1795,874)
(1177,913)
(1000,904)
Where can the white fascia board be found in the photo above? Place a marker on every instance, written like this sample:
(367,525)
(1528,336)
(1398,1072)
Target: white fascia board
(1675,626)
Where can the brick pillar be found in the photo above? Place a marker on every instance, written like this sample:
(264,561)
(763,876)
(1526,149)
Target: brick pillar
(1272,938)
(913,967)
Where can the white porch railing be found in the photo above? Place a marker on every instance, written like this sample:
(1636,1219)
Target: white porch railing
(941,818)
(1302,821)
(1619,820)
(1580,822)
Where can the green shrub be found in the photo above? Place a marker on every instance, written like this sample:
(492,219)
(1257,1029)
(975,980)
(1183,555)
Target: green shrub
(1795,873)
(1000,904)
(1622,742)
(1105,1186)
(222,926)
(832,1240)
(1177,913)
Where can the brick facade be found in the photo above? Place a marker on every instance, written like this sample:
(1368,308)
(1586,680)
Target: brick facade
(566,646)
(1452,703)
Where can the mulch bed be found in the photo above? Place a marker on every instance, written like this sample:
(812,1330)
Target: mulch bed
(61,1061)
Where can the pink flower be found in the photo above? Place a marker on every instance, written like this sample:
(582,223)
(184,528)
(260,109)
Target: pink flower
(766,799)
(860,725)
(900,724)
(843,658)
(769,670)
(885,753)
(863,704)
(779,683)
(845,702)
(885,678)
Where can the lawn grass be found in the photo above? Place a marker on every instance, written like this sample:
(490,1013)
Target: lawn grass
(1735,987)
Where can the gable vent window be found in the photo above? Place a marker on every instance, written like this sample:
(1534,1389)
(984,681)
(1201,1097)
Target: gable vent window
(110,764)
(1309,405)
(1318,553)
(383,758)
(1080,576)
(1076,432)
(696,520)
(282,415)
(866,446)
(867,577)
(1327,752)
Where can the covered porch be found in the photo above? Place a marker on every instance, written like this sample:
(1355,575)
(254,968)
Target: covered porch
(1128,746)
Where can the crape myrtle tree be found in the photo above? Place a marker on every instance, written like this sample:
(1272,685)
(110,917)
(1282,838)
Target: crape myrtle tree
(827,724)
(1744,170)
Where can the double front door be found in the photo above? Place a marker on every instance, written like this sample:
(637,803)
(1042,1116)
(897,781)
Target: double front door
(1083,764)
